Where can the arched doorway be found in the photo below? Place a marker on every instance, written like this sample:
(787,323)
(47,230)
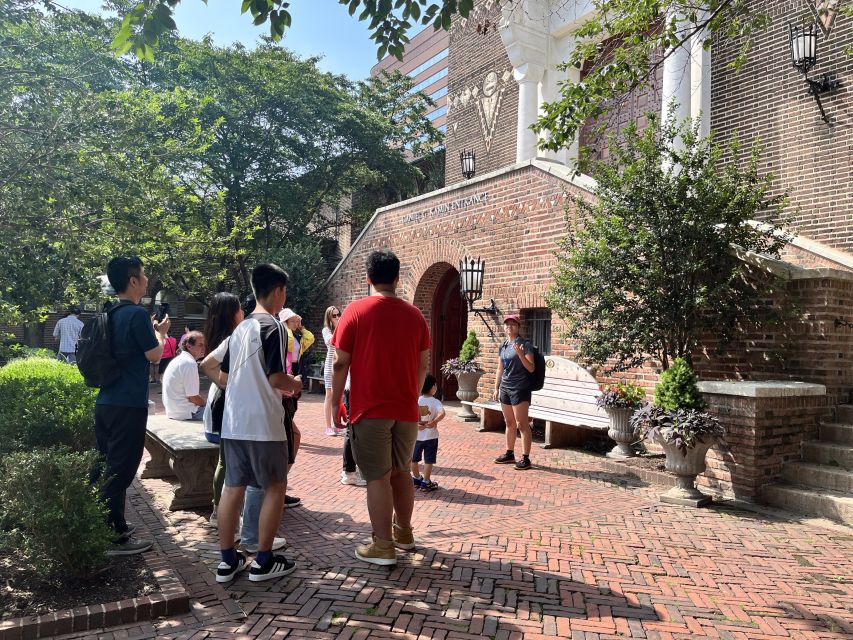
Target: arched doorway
(437,295)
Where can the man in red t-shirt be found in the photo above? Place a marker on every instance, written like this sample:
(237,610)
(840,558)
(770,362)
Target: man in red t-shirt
(384,342)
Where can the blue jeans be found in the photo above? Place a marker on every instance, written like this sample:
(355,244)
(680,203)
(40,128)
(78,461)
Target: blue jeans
(251,514)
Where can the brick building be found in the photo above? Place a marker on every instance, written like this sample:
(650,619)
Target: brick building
(502,65)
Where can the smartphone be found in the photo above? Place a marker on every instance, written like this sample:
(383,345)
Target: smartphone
(162,311)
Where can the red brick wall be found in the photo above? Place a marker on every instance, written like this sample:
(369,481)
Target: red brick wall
(769,100)
(474,56)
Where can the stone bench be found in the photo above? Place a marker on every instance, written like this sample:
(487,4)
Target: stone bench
(315,381)
(179,449)
(566,403)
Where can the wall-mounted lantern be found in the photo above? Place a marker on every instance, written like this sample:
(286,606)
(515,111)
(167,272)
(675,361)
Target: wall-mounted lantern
(468,160)
(471,272)
(804,59)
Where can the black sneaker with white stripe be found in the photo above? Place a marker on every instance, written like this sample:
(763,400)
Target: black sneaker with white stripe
(226,572)
(275,567)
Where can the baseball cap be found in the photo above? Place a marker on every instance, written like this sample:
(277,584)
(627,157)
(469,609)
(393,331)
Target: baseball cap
(286,314)
(512,317)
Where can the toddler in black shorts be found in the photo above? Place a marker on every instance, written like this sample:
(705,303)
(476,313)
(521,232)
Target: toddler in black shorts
(426,446)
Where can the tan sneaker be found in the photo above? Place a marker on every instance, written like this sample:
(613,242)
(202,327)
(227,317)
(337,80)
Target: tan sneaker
(379,551)
(404,538)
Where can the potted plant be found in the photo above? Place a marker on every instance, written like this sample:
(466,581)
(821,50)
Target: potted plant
(315,369)
(678,423)
(619,401)
(468,373)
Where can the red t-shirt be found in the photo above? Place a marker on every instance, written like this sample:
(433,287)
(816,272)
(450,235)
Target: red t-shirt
(384,337)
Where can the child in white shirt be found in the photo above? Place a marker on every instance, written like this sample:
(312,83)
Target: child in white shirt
(431,413)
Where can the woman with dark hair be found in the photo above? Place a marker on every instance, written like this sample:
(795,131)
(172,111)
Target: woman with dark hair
(224,316)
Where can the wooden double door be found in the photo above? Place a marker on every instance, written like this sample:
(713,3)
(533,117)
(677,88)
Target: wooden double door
(449,328)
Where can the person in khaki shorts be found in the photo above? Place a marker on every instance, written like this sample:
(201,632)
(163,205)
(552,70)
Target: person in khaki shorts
(384,341)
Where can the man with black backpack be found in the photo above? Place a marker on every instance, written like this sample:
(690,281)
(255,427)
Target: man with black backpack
(121,372)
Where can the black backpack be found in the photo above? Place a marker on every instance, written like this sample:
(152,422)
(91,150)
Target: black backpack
(537,378)
(94,354)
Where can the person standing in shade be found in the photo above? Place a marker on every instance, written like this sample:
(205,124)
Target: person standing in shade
(330,321)
(68,330)
(121,409)
(512,389)
(254,440)
(385,341)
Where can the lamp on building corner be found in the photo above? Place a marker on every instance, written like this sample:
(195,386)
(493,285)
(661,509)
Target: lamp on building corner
(804,59)
(468,160)
(471,272)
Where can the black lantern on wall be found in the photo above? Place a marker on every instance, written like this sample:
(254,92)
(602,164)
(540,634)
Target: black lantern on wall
(471,271)
(468,160)
(803,40)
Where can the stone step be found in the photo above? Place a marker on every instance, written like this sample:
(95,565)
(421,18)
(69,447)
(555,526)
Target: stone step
(821,503)
(836,432)
(831,454)
(844,413)
(818,476)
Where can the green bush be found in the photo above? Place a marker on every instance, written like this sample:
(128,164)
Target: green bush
(45,403)
(677,388)
(470,348)
(50,514)
(15,350)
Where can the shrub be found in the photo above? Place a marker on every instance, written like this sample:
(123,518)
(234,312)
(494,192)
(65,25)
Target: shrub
(45,403)
(50,514)
(677,388)
(470,348)
(15,350)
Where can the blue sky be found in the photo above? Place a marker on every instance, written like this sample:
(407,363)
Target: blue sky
(320,27)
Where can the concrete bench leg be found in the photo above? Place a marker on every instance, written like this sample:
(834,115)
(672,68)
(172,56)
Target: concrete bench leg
(491,420)
(195,480)
(561,435)
(158,466)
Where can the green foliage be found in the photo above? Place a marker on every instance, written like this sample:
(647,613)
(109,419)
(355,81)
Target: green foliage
(620,48)
(657,259)
(470,348)
(15,350)
(145,24)
(678,388)
(50,514)
(45,403)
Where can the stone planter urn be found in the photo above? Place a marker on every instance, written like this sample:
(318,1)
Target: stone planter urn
(467,392)
(621,433)
(686,468)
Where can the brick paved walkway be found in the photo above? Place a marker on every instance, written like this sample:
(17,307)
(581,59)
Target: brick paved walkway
(563,550)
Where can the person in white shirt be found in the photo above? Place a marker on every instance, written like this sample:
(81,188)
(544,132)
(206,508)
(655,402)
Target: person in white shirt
(68,331)
(181,395)
(431,413)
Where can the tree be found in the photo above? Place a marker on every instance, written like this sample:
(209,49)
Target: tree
(654,262)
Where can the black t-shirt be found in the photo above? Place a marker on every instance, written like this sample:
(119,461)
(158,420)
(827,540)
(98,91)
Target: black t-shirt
(515,377)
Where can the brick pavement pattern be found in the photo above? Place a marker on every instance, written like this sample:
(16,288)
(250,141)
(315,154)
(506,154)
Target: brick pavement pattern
(564,550)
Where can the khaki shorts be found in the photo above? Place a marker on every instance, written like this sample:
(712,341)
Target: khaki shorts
(381,445)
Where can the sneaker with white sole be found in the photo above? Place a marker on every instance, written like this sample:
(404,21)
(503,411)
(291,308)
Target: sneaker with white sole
(275,567)
(212,521)
(291,501)
(404,538)
(277,543)
(130,547)
(381,552)
(330,431)
(353,477)
(226,572)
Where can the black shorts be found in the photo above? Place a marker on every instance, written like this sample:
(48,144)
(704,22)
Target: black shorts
(259,463)
(163,364)
(429,448)
(513,397)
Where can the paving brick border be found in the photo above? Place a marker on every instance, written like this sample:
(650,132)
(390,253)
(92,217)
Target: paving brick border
(172,599)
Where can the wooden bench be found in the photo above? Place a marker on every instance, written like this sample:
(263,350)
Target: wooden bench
(566,403)
(179,449)
(315,381)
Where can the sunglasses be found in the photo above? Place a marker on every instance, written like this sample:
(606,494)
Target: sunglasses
(336,315)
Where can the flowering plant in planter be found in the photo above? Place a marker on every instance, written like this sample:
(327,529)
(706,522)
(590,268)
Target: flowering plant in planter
(624,395)
(681,428)
(466,362)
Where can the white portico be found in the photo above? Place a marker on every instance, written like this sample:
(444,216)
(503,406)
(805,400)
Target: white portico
(538,37)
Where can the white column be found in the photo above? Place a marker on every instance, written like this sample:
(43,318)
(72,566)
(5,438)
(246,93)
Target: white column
(528,77)
(700,82)
(676,80)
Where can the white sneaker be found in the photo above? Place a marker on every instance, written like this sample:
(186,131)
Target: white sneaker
(330,431)
(352,477)
(212,521)
(277,544)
